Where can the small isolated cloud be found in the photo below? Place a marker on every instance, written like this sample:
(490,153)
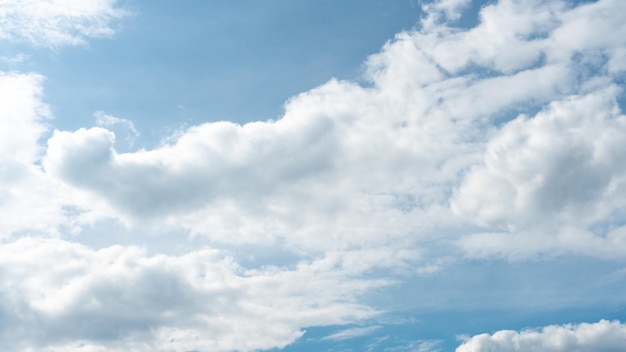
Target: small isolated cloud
(603,336)
(351,333)
(58,22)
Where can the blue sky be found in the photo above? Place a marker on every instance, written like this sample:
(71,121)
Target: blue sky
(276,175)
(172,65)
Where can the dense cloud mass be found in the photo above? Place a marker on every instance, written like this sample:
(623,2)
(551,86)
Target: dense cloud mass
(122,299)
(603,336)
(512,126)
(29,199)
(504,140)
(559,171)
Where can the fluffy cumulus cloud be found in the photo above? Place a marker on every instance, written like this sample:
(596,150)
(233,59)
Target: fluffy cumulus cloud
(603,336)
(57,22)
(510,128)
(122,299)
(29,199)
(504,139)
(558,171)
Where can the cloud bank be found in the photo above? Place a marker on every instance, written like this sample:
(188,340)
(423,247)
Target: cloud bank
(603,336)
(511,128)
(500,140)
(123,299)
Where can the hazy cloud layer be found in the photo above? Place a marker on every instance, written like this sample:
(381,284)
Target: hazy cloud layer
(603,336)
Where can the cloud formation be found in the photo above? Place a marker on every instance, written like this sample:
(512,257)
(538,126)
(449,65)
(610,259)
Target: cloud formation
(502,140)
(120,127)
(603,336)
(121,299)
(29,199)
(495,128)
(558,171)
(57,22)
(351,333)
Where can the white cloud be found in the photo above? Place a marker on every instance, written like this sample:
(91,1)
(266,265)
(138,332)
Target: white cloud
(560,168)
(362,179)
(351,333)
(603,336)
(121,127)
(409,346)
(355,166)
(13,60)
(298,177)
(121,298)
(57,22)
(29,199)
(23,115)
(439,11)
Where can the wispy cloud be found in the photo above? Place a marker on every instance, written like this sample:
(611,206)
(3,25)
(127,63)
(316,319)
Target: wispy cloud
(351,333)
(14,60)
(58,22)
(124,127)
(138,300)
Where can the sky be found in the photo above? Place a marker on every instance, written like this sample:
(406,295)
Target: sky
(401,176)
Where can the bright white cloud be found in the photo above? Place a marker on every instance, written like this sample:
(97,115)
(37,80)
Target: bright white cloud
(23,115)
(416,154)
(603,336)
(560,168)
(121,298)
(57,22)
(29,199)
(443,145)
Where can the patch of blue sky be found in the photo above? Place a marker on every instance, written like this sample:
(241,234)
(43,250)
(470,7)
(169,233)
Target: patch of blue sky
(442,330)
(172,66)
(483,296)
(615,219)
